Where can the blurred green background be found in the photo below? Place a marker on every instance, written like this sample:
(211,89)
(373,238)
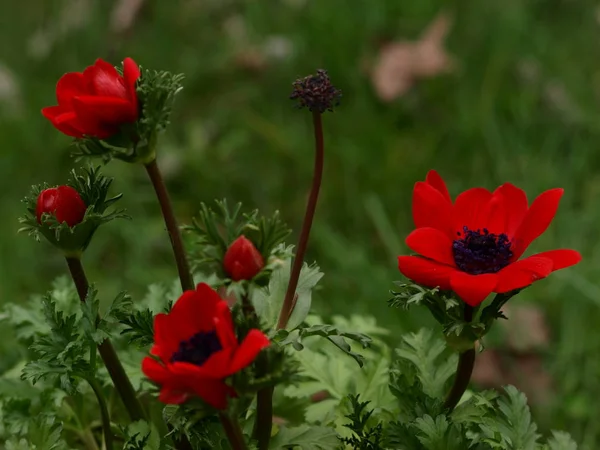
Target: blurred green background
(519,103)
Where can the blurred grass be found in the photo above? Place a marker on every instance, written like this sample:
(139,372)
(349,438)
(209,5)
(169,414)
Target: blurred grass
(522,107)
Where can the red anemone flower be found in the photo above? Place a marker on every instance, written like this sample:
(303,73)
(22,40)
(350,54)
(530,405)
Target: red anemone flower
(197,349)
(95,102)
(473,246)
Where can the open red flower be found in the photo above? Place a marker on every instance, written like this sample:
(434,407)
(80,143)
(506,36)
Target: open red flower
(473,245)
(95,102)
(197,349)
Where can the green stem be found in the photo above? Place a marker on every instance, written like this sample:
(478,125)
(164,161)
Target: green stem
(464,369)
(290,294)
(107,352)
(185,276)
(233,432)
(108,437)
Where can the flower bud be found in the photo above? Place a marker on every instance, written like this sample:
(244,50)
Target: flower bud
(63,202)
(242,260)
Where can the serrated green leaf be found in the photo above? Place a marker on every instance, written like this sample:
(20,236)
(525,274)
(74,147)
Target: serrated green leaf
(424,351)
(305,437)
(439,434)
(561,441)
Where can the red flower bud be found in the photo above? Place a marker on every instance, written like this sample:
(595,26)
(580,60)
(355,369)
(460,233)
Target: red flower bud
(95,102)
(63,202)
(242,260)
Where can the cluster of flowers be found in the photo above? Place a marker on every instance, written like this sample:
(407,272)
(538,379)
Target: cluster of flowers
(469,247)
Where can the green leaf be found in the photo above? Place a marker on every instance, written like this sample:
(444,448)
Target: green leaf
(439,434)
(305,437)
(425,352)
(43,434)
(509,425)
(139,327)
(332,333)
(561,441)
(62,353)
(141,435)
(268,301)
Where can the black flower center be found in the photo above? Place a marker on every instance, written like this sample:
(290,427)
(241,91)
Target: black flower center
(479,251)
(198,348)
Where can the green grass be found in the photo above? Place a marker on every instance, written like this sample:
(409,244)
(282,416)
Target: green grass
(523,107)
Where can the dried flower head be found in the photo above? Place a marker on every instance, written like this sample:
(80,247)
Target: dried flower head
(316,92)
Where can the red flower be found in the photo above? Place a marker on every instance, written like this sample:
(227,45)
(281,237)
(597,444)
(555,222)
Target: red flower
(242,260)
(63,202)
(95,102)
(473,246)
(197,348)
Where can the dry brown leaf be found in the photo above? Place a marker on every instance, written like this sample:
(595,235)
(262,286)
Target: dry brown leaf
(526,329)
(124,14)
(400,64)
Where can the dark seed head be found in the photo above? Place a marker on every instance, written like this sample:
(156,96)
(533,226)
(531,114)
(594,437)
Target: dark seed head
(316,92)
(198,348)
(479,251)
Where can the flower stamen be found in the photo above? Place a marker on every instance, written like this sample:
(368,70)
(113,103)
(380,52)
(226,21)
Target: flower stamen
(198,348)
(479,251)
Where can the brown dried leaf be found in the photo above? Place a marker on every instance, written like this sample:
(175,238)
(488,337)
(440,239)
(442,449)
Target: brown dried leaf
(124,14)
(526,328)
(400,64)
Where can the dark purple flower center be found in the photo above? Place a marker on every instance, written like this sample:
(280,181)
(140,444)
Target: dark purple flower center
(198,348)
(479,251)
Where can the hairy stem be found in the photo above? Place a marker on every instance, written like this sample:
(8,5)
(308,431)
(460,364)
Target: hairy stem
(233,432)
(289,300)
(185,276)
(108,437)
(107,352)
(464,369)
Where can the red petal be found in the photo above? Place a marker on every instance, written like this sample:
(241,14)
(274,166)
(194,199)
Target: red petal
(522,273)
(131,73)
(172,396)
(195,311)
(102,79)
(248,350)
(156,371)
(212,390)
(473,289)
(104,110)
(62,120)
(471,209)
(69,86)
(537,220)
(435,180)
(516,203)
(432,244)
(224,326)
(168,334)
(216,366)
(560,258)
(495,214)
(426,272)
(430,208)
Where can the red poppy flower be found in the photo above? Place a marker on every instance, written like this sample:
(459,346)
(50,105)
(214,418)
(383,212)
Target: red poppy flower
(95,102)
(473,246)
(197,349)
(63,202)
(242,260)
